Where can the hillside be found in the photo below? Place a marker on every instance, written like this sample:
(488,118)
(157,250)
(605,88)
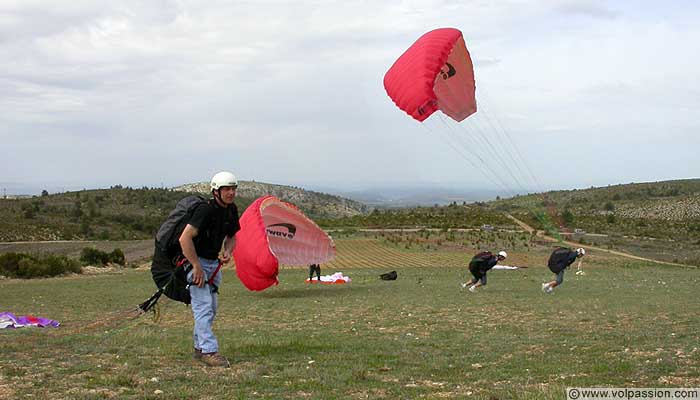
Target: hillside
(659,219)
(314,204)
(123,213)
(650,206)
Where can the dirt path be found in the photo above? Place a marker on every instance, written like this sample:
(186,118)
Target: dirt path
(541,234)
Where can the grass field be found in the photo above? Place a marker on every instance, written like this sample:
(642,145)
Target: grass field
(624,323)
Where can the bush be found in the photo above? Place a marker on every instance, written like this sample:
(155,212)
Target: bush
(57,265)
(9,263)
(20,265)
(92,256)
(117,257)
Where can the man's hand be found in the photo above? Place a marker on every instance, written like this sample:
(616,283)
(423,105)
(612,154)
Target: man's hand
(188,250)
(229,244)
(198,276)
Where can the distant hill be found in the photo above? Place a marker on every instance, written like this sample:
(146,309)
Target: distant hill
(401,197)
(314,204)
(656,219)
(124,213)
(659,220)
(669,201)
(117,213)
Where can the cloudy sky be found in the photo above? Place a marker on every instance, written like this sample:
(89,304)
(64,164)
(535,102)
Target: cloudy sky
(571,94)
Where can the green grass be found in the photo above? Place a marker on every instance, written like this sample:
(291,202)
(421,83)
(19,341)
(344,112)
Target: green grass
(624,323)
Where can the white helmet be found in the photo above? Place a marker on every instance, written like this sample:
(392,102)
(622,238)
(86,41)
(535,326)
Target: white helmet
(223,178)
(503,254)
(581,252)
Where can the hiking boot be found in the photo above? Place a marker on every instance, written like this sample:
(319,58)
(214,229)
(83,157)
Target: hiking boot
(197,354)
(215,360)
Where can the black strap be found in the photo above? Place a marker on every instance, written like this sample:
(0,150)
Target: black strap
(148,304)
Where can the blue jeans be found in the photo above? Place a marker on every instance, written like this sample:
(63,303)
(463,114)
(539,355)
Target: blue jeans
(204,305)
(560,277)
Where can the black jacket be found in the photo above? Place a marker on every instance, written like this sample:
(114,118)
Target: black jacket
(560,259)
(483,264)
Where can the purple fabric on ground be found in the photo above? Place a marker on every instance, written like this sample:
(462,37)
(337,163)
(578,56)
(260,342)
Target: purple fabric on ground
(9,320)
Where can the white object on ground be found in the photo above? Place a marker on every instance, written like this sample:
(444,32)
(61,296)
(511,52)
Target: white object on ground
(338,277)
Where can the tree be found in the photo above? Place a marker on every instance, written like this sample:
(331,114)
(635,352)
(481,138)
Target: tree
(117,257)
(28,211)
(92,209)
(568,217)
(85,228)
(44,193)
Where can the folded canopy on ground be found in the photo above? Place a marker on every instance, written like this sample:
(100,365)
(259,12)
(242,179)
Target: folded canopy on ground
(337,277)
(10,320)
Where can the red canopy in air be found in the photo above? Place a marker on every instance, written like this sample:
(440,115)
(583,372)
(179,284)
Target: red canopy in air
(435,73)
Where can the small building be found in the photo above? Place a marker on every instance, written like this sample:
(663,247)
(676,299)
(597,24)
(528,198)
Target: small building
(487,228)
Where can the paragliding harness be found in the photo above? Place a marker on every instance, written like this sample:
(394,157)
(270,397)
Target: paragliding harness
(389,276)
(558,258)
(479,261)
(179,274)
(170,267)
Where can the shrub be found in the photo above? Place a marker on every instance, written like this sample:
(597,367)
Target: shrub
(20,265)
(568,217)
(57,265)
(9,263)
(117,257)
(92,256)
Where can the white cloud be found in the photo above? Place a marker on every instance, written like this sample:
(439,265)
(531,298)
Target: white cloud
(292,92)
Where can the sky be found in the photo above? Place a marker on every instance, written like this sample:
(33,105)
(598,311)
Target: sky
(571,94)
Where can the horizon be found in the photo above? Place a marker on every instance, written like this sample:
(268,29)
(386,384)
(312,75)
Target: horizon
(479,194)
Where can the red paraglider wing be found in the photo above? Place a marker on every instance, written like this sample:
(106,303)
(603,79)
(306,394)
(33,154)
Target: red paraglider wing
(275,232)
(435,73)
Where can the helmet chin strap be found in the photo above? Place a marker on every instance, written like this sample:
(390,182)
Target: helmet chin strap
(217,196)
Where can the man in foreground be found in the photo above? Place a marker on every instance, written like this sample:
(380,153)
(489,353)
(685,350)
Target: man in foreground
(211,224)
